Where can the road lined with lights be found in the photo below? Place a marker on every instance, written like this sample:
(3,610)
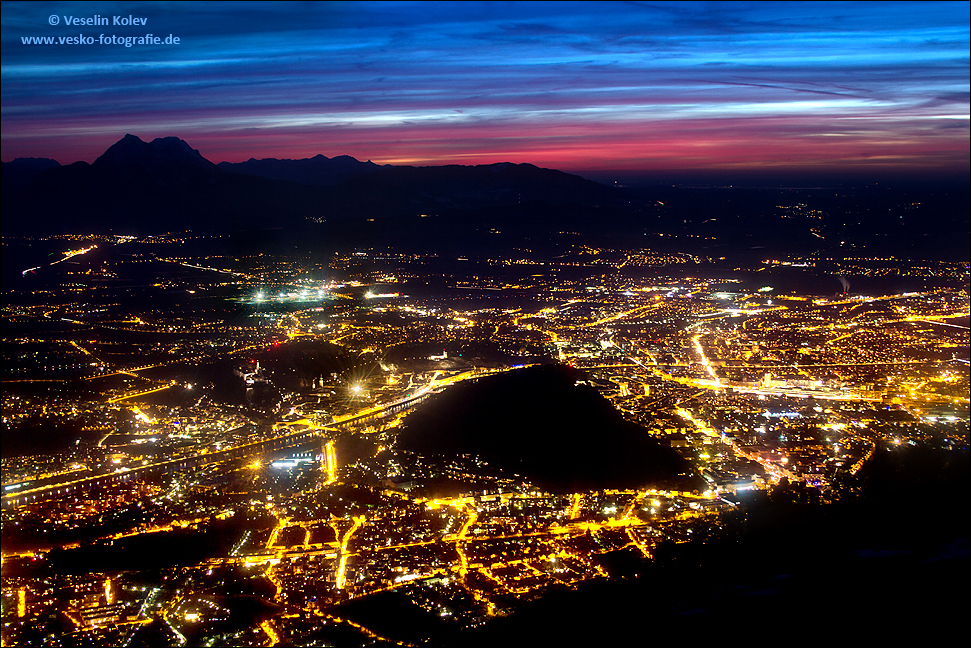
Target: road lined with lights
(244,449)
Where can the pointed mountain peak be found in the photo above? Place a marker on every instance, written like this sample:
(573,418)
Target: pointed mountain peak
(127,147)
(132,150)
(163,162)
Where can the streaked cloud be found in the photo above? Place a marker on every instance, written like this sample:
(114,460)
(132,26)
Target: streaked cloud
(573,85)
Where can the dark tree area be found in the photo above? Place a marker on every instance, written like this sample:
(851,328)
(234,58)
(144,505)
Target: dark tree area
(539,423)
(886,559)
(155,550)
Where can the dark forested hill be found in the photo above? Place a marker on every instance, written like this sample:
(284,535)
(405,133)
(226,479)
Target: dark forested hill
(538,423)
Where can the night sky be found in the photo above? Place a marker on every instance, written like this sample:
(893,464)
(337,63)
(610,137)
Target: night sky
(584,87)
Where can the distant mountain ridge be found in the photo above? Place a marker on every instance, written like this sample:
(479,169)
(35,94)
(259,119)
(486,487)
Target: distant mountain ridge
(17,173)
(139,187)
(143,187)
(473,187)
(319,170)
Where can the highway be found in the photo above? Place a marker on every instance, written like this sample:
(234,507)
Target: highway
(66,487)
(251,448)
